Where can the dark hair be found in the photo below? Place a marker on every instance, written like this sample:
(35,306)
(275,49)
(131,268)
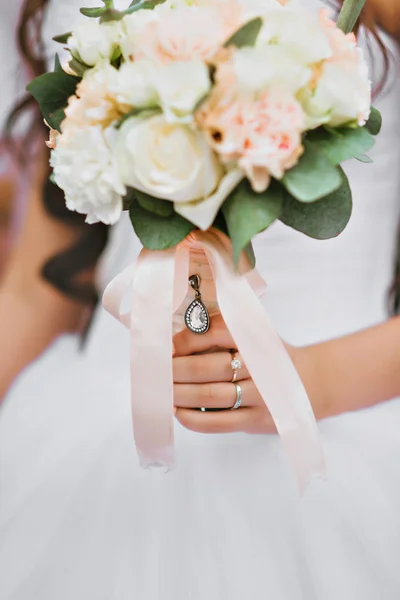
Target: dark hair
(62,270)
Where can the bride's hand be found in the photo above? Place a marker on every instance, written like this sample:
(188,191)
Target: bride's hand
(205,381)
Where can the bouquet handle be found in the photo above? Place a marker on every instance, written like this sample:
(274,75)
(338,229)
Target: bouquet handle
(150,324)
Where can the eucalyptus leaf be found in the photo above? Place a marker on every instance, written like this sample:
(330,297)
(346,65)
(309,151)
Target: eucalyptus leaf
(162,208)
(246,35)
(63,38)
(313,177)
(343,143)
(363,158)
(93,13)
(323,219)
(220,223)
(374,123)
(247,213)
(158,233)
(52,91)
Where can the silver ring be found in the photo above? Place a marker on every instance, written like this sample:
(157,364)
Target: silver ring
(236,365)
(239,396)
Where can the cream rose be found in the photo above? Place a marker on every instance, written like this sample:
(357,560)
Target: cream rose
(134,85)
(171,161)
(342,97)
(256,69)
(180,86)
(298,29)
(91,41)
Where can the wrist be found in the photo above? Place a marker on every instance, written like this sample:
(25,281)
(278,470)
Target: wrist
(309,365)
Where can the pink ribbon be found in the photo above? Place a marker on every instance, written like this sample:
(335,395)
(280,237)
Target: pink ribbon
(159,284)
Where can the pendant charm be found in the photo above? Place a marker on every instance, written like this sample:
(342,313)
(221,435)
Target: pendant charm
(197,318)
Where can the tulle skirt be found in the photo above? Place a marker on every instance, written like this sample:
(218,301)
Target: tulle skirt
(80,520)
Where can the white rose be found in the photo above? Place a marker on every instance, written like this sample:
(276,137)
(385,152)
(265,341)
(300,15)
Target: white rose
(173,161)
(86,169)
(258,68)
(135,84)
(342,96)
(91,41)
(298,29)
(180,86)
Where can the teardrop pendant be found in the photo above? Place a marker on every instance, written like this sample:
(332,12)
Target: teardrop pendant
(197,318)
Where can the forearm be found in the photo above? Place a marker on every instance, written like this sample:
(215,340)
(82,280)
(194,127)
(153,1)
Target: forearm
(353,372)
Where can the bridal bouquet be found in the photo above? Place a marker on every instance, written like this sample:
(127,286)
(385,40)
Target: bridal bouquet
(208,120)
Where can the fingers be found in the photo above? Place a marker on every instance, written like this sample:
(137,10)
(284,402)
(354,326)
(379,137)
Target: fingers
(202,368)
(230,421)
(186,342)
(215,395)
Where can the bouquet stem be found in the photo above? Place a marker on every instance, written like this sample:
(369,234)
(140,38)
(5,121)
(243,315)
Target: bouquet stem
(349,14)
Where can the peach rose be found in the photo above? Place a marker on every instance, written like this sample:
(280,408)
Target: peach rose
(94,102)
(261,135)
(187,33)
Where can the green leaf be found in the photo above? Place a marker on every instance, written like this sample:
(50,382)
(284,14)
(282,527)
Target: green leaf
(145,112)
(251,255)
(145,4)
(246,35)
(78,66)
(57,64)
(111,14)
(63,38)
(321,220)
(108,3)
(129,198)
(374,123)
(350,14)
(158,233)
(313,177)
(341,144)
(93,13)
(247,213)
(162,208)
(52,91)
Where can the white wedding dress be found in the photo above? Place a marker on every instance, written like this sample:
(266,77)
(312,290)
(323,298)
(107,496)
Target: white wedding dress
(80,520)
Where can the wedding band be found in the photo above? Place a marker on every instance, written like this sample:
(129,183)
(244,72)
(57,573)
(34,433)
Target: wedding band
(236,365)
(238,402)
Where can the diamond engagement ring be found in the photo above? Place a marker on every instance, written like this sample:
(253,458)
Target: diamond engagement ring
(236,365)
(238,402)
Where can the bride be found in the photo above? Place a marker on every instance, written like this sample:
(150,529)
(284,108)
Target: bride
(79,520)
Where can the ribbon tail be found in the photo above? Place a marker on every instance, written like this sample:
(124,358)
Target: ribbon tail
(151,358)
(114,293)
(268,363)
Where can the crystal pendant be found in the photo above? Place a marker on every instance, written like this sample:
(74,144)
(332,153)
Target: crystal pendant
(197,318)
